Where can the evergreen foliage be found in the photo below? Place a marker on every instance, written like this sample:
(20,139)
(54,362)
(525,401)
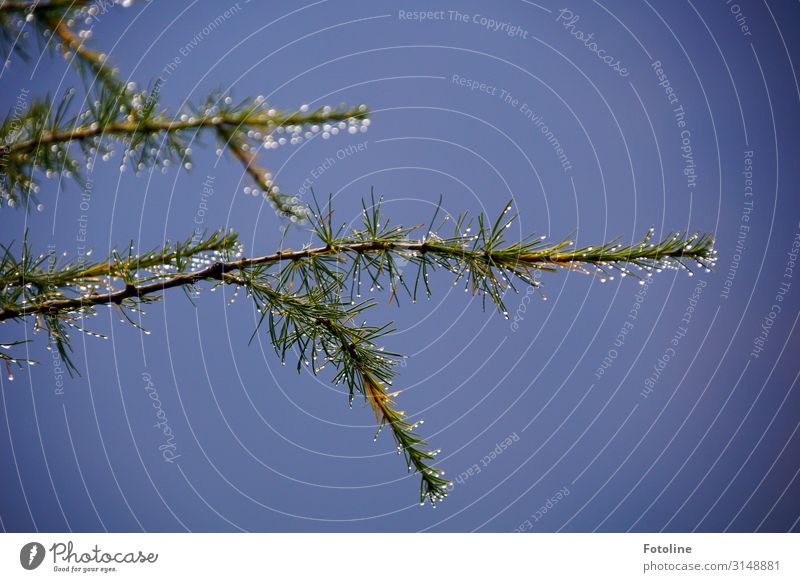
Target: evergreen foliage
(308,299)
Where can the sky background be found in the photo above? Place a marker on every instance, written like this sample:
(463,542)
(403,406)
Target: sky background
(714,446)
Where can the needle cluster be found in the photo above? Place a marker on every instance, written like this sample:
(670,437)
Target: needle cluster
(63,138)
(309,299)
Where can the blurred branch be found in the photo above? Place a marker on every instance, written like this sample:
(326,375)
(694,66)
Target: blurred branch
(39,140)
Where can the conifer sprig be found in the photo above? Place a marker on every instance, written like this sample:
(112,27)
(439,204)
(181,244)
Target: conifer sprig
(320,332)
(64,292)
(309,298)
(63,25)
(42,138)
(376,252)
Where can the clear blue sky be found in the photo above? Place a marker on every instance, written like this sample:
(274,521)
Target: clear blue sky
(625,407)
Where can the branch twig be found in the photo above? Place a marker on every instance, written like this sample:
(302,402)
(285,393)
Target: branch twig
(537,260)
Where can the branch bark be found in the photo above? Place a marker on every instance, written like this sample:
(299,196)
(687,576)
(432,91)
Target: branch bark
(217,271)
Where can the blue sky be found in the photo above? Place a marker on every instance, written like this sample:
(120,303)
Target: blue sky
(602,118)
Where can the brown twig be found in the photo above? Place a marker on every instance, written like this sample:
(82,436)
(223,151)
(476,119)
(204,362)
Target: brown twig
(218,269)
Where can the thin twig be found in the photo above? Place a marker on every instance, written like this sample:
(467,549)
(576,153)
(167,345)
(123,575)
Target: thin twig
(217,270)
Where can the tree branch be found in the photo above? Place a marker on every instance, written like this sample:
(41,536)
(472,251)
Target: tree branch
(41,6)
(670,250)
(311,318)
(160,125)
